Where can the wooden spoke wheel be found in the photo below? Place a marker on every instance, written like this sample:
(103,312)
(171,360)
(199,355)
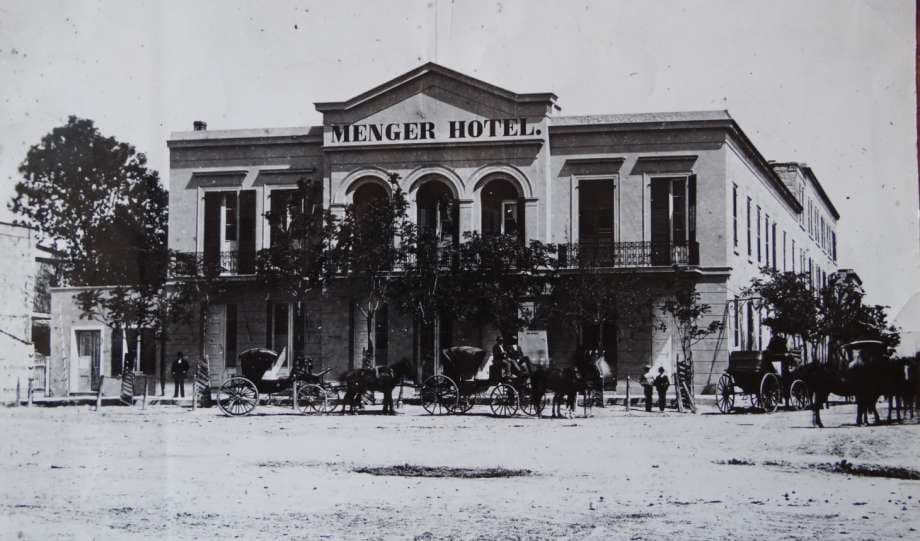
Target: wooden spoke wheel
(527,404)
(466,402)
(800,395)
(725,393)
(540,406)
(237,396)
(440,395)
(771,393)
(311,398)
(503,400)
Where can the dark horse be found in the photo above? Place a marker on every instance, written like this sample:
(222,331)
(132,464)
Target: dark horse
(565,383)
(381,378)
(865,376)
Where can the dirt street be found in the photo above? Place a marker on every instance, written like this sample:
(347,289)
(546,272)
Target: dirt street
(171,473)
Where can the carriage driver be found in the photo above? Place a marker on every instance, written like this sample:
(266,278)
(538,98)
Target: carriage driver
(500,355)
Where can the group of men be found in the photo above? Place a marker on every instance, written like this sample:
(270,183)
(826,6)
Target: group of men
(509,358)
(649,380)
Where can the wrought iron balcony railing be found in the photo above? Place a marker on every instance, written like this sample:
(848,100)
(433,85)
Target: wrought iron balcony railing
(198,264)
(599,254)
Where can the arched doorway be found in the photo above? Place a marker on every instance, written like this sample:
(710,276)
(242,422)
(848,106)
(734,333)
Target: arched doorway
(438,220)
(502,209)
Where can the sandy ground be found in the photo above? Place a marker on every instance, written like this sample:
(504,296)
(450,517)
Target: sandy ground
(170,473)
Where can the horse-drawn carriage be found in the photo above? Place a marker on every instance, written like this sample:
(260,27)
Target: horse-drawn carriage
(468,375)
(266,375)
(765,379)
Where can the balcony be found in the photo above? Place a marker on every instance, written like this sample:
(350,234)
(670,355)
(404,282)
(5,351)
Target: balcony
(600,254)
(199,264)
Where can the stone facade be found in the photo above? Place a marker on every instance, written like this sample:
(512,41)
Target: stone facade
(657,193)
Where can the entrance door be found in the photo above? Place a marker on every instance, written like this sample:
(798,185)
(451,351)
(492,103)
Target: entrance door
(89,346)
(604,338)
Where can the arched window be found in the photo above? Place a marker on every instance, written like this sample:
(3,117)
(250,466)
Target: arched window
(437,211)
(502,211)
(369,194)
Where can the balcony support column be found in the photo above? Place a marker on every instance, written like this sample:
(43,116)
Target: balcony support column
(532,219)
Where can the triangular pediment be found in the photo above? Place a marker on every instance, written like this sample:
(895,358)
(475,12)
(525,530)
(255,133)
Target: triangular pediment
(432,89)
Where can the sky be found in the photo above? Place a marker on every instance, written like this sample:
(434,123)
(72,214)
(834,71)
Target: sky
(830,83)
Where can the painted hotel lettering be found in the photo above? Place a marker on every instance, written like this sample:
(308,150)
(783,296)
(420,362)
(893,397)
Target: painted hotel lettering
(429,131)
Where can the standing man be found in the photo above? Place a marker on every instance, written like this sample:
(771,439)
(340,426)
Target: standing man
(499,354)
(179,370)
(661,384)
(646,381)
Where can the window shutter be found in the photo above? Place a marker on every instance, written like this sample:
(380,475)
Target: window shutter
(212,229)
(247,242)
(117,351)
(691,222)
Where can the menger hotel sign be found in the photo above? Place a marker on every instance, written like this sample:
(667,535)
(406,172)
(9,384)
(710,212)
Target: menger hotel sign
(451,130)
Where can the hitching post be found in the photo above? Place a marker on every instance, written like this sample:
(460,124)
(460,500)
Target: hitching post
(99,394)
(194,387)
(295,396)
(627,393)
(18,393)
(146,383)
(29,397)
(680,406)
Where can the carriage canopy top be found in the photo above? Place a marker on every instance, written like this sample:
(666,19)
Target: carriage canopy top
(464,362)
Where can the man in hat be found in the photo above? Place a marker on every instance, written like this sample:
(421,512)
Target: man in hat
(179,369)
(646,380)
(661,385)
(499,354)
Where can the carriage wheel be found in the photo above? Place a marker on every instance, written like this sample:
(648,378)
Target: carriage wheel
(237,396)
(771,393)
(527,404)
(466,402)
(334,401)
(440,395)
(310,398)
(801,398)
(725,393)
(540,406)
(503,400)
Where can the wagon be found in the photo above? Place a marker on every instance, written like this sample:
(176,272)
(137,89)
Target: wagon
(468,376)
(765,379)
(265,375)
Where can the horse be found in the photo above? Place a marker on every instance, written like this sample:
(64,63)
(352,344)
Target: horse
(380,378)
(865,378)
(565,383)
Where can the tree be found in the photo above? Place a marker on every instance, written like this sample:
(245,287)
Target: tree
(95,201)
(686,314)
(591,295)
(495,279)
(843,317)
(296,260)
(789,304)
(105,213)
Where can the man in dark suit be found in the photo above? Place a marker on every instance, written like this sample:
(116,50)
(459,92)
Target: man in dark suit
(661,385)
(179,369)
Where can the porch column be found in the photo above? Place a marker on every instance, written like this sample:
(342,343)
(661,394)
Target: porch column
(532,220)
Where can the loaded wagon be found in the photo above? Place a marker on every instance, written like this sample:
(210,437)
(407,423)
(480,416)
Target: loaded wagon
(764,379)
